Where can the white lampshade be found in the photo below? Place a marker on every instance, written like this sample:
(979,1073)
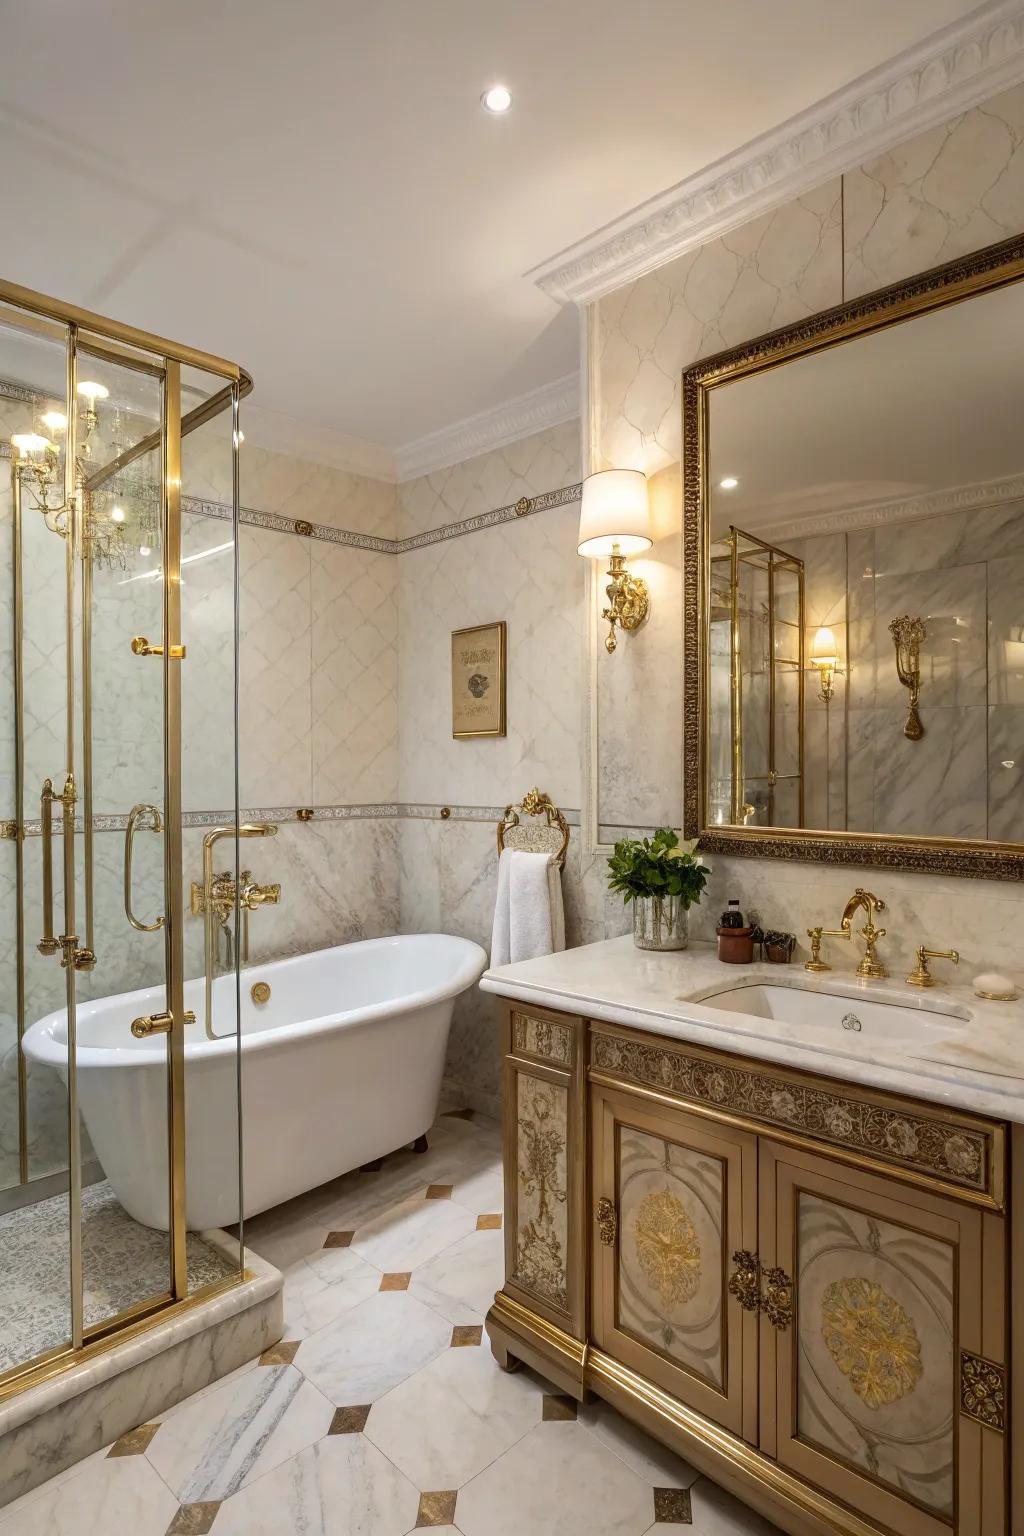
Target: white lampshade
(614,510)
(823,648)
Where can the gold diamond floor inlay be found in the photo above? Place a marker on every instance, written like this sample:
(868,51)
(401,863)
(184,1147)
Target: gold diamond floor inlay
(439,1191)
(488,1223)
(558,1407)
(464,1334)
(350,1421)
(134,1442)
(280,1354)
(338,1239)
(437,1508)
(672,1506)
(194,1519)
(396,1282)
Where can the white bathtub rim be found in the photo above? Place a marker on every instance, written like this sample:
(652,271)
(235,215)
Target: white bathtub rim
(42,1041)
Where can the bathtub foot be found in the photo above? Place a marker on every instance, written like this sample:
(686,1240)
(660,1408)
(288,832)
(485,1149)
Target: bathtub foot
(373,1167)
(420,1144)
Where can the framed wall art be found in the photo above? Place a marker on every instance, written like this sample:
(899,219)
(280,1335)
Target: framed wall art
(478,681)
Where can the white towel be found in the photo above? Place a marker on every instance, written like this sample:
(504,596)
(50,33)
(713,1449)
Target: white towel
(529,918)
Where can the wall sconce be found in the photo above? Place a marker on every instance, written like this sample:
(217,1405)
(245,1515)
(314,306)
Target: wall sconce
(825,661)
(907,636)
(615,520)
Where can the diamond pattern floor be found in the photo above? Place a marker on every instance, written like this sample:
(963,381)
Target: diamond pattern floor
(382,1412)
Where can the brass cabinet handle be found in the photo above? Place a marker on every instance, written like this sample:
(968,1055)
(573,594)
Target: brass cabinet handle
(157,1024)
(745,1280)
(777,1298)
(156,824)
(142,647)
(607,1220)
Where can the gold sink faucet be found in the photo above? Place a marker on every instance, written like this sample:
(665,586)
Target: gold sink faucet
(921,976)
(816,963)
(870,965)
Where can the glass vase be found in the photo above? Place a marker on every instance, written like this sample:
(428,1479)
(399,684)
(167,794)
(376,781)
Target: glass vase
(660,922)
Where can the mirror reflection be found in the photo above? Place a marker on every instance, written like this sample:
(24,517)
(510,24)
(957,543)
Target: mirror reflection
(866,583)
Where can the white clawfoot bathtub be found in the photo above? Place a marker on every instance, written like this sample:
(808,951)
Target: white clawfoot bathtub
(341,1065)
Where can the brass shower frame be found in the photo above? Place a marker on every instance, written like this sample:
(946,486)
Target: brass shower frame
(81,331)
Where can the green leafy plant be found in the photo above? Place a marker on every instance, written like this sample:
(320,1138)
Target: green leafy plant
(657,866)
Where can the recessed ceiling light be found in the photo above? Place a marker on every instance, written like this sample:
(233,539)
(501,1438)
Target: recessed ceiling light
(117,514)
(729,483)
(497,99)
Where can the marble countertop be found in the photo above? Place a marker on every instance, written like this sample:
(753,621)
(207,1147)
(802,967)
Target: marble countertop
(952,1048)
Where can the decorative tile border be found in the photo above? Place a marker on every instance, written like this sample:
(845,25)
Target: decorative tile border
(385,810)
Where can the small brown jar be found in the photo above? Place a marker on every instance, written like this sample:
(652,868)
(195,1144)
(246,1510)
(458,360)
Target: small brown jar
(736,946)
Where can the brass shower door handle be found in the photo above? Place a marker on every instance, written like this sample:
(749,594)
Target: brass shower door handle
(142,647)
(48,944)
(156,824)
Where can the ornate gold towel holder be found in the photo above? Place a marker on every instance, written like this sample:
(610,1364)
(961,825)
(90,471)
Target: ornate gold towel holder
(549,836)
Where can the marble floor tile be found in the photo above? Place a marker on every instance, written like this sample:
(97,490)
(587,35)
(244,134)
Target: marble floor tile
(717,1513)
(452,1419)
(212,1448)
(411,1233)
(557,1481)
(323,1285)
(654,1462)
(342,1486)
(460,1282)
(124,1494)
(370,1349)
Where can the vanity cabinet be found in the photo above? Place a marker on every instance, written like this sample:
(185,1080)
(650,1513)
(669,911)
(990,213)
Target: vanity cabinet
(800,1285)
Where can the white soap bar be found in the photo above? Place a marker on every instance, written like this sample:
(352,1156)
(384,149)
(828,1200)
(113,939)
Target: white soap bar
(995,987)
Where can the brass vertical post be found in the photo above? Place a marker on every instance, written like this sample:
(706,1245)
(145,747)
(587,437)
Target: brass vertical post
(19,815)
(175,965)
(69,938)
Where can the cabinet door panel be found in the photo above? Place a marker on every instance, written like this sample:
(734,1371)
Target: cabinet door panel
(861,1391)
(684,1201)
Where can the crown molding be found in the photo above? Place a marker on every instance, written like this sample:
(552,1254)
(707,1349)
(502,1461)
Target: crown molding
(279,433)
(945,74)
(548,406)
(903,509)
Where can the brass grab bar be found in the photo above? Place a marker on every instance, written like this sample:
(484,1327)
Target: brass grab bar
(48,944)
(210,841)
(156,824)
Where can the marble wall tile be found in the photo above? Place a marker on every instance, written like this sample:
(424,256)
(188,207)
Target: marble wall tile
(544,461)
(275,716)
(355,676)
(1006,772)
(941,195)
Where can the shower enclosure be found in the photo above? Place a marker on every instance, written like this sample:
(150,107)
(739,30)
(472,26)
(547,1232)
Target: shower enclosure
(118,667)
(756,762)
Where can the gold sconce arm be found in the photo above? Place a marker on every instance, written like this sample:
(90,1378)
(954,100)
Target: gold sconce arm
(155,824)
(628,599)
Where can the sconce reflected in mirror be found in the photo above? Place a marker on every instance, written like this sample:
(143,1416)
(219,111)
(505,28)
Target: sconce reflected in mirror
(908,635)
(615,521)
(824,659)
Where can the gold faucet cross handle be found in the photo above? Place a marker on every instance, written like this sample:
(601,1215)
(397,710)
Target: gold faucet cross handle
(816,963)
(921,976)
(254,895)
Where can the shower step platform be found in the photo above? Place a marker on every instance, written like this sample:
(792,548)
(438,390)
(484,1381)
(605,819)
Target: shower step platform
(48,1427)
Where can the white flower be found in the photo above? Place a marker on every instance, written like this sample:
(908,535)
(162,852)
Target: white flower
(901,1137)
(838,1120)
(961,1156)
(783,1104)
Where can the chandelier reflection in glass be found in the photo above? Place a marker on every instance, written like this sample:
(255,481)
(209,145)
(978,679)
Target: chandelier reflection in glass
(119,520)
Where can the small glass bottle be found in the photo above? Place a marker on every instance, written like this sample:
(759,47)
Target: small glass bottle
(732,917)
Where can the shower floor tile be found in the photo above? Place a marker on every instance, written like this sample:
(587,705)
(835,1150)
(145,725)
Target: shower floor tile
(391,1414)
(122,1263)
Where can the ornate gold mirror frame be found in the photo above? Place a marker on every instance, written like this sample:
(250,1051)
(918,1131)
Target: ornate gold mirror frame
(995,267)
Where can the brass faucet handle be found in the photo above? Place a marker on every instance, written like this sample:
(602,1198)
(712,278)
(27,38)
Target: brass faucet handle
(816,963)
(921,976)
(254,896)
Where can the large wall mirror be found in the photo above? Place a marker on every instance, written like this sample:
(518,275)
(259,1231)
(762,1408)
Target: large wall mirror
(854,581)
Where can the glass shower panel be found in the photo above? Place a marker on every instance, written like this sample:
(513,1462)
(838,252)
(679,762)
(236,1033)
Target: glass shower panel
(214,926)
(125,1168)
(35,1296)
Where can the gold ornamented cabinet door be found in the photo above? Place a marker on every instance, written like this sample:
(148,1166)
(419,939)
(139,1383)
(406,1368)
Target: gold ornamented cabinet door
(674,1283)
(887,1293)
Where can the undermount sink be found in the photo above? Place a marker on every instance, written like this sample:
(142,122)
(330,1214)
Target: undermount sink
(813,1009)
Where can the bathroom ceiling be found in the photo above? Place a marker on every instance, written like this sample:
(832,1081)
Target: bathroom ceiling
(315,190)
